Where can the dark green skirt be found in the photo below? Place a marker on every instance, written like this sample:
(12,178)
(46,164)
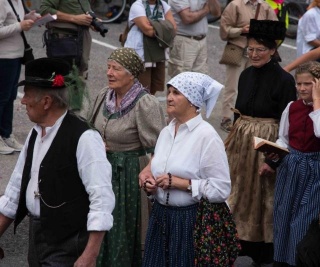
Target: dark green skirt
(122,244)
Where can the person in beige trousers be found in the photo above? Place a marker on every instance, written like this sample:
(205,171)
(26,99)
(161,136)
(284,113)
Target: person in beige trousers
(235,21)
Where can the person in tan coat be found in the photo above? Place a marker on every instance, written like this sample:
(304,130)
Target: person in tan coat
(235,21)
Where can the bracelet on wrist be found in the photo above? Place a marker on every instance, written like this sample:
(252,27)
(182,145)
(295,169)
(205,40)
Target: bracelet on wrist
(145,187)
(189,188)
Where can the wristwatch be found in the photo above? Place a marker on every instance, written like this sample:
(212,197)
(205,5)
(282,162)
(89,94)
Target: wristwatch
(189,188)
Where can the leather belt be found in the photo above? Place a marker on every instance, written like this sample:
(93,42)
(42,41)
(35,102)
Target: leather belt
(198,37)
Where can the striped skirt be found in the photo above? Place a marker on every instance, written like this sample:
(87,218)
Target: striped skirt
(297,202)
(169,239)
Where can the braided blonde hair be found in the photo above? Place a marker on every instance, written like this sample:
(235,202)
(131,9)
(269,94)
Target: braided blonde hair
(312,67)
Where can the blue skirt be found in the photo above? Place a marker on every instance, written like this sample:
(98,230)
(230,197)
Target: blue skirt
(169,240)
(297,202)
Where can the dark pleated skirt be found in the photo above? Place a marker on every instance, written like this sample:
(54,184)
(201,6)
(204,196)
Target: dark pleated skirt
(296,204)
(169,239)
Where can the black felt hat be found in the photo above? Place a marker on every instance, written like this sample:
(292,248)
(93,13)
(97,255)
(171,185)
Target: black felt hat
(270,29)
(46,73)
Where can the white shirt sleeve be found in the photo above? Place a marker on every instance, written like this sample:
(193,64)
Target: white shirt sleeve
(283,139)
(166,7)
(95,172)
(311,31)
(315,117)
(10,200)
(215,183)
(179,5)
(137,10)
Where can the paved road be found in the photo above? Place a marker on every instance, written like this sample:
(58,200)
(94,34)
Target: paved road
(15,246)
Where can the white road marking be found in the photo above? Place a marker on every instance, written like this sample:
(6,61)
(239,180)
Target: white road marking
(104,44)
(20,95)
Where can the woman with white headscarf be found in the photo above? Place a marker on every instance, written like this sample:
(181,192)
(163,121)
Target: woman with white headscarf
(189,163)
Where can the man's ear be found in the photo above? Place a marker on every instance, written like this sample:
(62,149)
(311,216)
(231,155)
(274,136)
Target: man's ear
(47,102)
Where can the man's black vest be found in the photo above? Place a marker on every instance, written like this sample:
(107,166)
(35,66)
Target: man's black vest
(64,203)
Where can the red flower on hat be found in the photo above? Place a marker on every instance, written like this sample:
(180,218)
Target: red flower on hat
(58,81)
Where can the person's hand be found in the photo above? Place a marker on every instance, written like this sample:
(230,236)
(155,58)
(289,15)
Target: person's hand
(245,29)
(266,170)
(32,15)
(105,145)
(149,186)
(316,89)
(206,7)
(145,175)
(272,156)
(163,181)
(82,19)
(27,24)
(214,8)
(93,28)
(85,261)
(1,253)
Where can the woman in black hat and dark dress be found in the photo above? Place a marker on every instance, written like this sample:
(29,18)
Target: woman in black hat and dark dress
(264,91)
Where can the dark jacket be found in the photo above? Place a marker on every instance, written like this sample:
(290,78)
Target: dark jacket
(154,47)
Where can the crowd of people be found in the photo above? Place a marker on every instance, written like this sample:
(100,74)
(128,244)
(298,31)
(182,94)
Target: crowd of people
(86,183)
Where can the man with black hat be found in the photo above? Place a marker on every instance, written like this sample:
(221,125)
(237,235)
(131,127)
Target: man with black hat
(62,179)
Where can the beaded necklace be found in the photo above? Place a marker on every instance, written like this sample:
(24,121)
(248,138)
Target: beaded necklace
(164,218)
(165,243)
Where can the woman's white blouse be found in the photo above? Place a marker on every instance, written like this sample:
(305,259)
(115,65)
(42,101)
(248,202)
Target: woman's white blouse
(197,153)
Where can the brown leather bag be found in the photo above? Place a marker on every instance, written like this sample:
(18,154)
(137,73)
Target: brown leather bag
(123,36)
(232,55)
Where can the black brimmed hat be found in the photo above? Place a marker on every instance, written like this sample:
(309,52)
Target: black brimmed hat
(270,29)
(46,73)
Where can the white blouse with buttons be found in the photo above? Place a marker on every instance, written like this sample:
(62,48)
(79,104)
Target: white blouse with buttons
(196,152)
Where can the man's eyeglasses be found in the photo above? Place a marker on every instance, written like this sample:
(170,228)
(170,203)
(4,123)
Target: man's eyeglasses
(259,50)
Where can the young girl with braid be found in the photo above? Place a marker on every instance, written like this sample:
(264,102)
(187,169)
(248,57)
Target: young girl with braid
(297,190)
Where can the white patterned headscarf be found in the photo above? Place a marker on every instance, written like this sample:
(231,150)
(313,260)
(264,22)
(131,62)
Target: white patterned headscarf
(198,88)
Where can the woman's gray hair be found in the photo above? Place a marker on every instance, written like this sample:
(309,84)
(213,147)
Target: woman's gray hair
(128,71)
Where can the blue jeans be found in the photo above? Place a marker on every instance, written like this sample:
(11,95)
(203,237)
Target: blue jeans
(9,76)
